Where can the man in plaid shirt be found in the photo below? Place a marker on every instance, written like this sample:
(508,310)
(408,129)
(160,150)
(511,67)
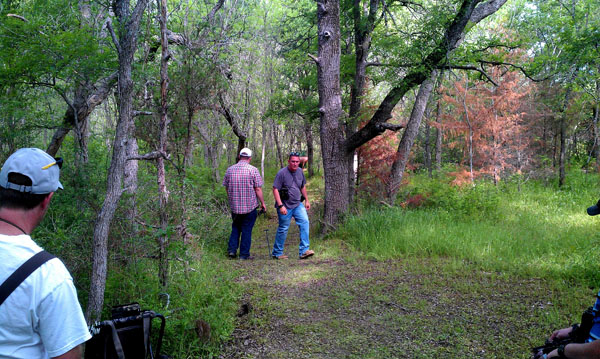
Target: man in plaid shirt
(244,190)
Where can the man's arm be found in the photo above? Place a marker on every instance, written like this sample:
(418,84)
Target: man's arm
(305,194)
(74,353)
(278,201)
(580,351)
(259,195)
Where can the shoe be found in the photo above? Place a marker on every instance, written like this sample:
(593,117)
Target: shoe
(283,256)
(308,253)
(249,258)
(231,255)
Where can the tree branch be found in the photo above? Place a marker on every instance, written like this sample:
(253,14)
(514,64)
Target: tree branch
(142,113)
(518,67)
(149,156)
(470,68)
(113,35)
(469,13)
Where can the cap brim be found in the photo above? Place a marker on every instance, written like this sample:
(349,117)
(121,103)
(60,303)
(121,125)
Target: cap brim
(593,210)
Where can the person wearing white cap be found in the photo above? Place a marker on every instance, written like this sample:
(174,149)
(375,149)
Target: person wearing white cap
(244,190)
(40,315)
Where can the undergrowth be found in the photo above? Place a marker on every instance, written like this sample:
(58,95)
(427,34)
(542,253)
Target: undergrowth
(531,229)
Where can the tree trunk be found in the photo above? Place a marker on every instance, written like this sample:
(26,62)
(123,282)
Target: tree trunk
(277,145)
(563,151)
(427,144)
(335,156)
(363,29)
(78,112)
(439,134)
(130,182)
(408,137)
(163,239)
(309,146)
(563,131)
(126,46)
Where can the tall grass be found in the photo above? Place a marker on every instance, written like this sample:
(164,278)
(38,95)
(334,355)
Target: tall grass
(535,231)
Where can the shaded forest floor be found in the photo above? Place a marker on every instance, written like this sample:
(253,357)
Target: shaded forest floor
(339,304)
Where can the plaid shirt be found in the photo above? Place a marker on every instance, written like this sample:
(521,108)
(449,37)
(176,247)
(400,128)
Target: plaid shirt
(240,181)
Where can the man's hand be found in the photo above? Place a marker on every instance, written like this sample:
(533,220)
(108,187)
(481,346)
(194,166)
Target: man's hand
(283,210)
(307,204)
(561,334)
(263,207)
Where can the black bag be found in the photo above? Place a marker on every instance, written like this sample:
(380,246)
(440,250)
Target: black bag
(126,336)
(284,194)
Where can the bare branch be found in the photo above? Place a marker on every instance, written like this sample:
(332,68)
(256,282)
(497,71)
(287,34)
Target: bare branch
(113,35)
(518,67)
(18,17)
(149,156)
(315,59)
(389,126)
(142,113)
(471,68)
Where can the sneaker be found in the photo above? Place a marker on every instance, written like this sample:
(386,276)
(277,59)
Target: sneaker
(283,256)
(308,253)
(249,258)
(231,255)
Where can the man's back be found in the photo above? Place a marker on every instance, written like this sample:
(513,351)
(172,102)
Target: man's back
(240,180)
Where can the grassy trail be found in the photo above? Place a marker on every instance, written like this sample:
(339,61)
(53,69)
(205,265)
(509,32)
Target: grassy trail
(339,304)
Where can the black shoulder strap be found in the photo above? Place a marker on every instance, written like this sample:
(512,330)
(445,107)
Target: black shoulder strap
(15,279)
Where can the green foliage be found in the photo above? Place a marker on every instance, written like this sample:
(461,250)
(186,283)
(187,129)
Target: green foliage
(204,290)
(479,201)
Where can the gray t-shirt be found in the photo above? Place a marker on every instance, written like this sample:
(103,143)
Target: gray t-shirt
(293,181)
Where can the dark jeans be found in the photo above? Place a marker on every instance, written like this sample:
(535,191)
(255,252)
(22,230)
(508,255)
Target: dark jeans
(242,224)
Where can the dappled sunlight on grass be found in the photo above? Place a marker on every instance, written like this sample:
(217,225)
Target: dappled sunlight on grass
(300,276)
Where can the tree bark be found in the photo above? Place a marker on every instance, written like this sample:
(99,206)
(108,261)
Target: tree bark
(408,137)
(235,126)
(163,239)
(439,134)
(126,46)
(277,145)
(427,144)
(81,108)
(335,156)
(309,146)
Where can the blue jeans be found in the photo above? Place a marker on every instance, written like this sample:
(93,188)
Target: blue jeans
(242,224)
(301,217)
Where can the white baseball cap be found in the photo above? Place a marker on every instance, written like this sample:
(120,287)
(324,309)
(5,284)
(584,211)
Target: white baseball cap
(246,152)
(40,167)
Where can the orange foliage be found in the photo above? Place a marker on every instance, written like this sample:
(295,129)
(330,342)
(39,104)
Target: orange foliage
(490,121)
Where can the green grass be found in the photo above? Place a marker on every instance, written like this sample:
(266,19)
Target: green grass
(538,231)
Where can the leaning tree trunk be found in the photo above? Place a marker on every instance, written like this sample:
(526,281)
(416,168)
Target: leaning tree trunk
(335,156)
(126,45)
(408,137)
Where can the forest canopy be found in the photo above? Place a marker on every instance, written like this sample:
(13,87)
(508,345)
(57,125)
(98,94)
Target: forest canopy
(150,102)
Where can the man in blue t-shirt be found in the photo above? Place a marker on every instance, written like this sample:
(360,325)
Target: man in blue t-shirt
(289,191)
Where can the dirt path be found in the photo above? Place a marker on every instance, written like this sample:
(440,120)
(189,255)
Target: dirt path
(337,305)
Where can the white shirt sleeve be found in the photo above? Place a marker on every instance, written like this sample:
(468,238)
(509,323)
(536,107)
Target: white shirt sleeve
(61,324)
